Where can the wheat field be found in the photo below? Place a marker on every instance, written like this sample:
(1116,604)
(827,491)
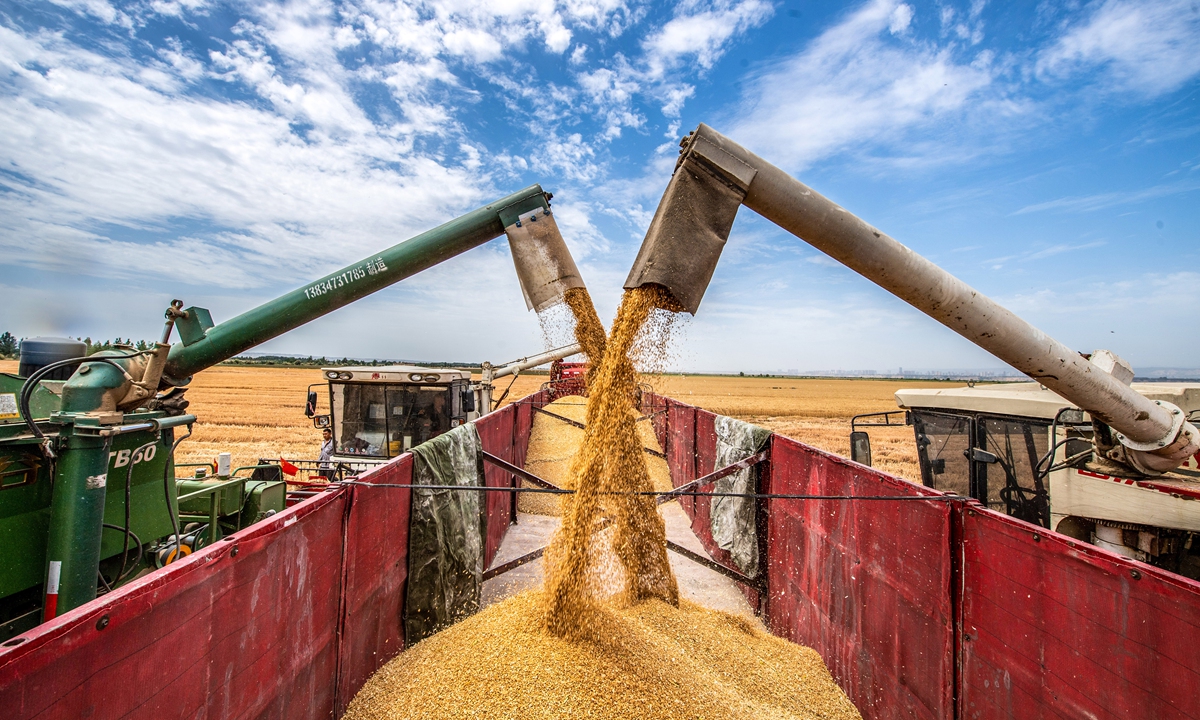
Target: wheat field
(255,412)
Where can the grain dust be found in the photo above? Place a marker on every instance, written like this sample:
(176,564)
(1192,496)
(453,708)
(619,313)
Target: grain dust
(608,470)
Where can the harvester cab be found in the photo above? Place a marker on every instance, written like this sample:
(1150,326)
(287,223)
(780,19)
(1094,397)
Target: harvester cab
(1023,450)
(379,412)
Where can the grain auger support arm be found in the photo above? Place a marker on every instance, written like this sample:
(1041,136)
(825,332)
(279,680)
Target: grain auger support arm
(715,175)
(544,267)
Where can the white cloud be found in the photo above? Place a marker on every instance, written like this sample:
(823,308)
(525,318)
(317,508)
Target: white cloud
(99,9)
(1100,201)
(852,87)
(901,18)
(701,34)
(482,32)
(1143,46)
(91,144)
(178,8)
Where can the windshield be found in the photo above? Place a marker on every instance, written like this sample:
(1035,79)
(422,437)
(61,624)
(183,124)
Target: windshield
(989,458)
(381,420)
(943,445)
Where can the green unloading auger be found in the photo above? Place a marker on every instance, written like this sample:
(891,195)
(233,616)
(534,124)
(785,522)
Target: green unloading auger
(95,400)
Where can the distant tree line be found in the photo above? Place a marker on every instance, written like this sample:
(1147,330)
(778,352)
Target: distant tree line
(10,349)
(317,362)
(10,346)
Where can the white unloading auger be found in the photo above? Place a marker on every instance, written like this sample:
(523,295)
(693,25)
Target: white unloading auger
(715,175)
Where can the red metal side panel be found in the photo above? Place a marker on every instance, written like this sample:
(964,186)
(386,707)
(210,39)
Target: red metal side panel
(705,459)
(522,427)
(681,449)
(1053,628)
(376,570)
(866,584)
(246,628)
(656,406)
(496,435)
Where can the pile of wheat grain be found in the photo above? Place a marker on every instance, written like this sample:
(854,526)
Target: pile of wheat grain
(652,661)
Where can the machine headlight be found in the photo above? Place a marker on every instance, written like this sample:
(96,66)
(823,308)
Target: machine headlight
(415,377)
(345,376)
(432,378)
(332,375)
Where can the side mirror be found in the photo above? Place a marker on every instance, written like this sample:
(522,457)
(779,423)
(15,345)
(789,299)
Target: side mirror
(860,447)
(467,399)
(310,407)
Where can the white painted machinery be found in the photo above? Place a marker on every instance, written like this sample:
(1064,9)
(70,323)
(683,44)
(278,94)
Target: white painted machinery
(379,412)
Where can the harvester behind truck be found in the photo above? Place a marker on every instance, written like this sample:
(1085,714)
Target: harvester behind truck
(89,497)
(1023,450)
(379,412)
(1100,461)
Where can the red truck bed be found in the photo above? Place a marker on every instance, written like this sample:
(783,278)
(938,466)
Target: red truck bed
(932,608)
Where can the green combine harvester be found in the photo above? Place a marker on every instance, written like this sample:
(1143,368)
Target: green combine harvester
(89,496)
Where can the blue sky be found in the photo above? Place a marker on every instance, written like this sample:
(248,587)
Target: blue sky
(224,153)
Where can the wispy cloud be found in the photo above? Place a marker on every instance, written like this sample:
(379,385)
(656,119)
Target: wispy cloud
(861,82)
(999,263)
(93,141)
(1141,46)
(1101,201)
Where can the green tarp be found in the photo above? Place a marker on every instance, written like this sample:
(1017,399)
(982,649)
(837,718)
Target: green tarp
(446,532)
(733,519)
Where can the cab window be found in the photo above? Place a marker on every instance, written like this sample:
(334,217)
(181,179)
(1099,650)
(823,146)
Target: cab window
(989,458)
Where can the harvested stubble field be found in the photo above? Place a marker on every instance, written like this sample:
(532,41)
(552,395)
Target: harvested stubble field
(259,412)
(815,411)
(256,412)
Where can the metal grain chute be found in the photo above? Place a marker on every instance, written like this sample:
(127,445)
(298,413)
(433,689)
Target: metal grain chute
(692,222)
(544,264)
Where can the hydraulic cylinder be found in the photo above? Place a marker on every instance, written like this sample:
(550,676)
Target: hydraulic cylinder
(76,518)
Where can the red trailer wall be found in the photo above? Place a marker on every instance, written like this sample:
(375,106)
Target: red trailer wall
(680,448)
(936,609)
(246,628)
(942,609)
(866,584)
(496,437)
(1053,628)
(376,567)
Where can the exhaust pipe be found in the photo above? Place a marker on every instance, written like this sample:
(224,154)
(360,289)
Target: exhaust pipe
(714,175)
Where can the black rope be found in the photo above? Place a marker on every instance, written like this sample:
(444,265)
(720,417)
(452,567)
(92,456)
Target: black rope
(31,383)
(124,559)
(128,489)
(659,493)
(496,404)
